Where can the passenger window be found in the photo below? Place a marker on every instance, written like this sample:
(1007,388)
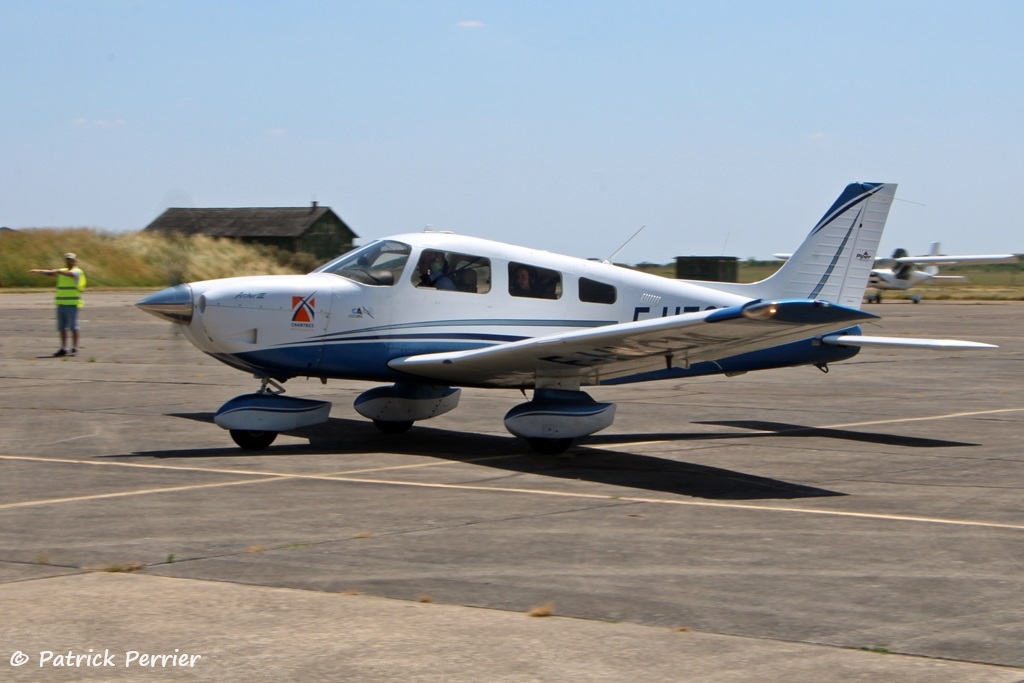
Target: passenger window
(596,292)
(452,271)
(533,281)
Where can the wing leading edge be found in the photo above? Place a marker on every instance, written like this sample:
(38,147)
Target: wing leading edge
(954,260)
(597,354)
(904,342)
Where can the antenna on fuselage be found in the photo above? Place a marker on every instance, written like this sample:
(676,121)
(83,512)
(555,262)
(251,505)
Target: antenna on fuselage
(616,252)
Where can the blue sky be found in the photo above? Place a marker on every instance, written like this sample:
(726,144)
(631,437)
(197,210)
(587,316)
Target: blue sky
(725,128)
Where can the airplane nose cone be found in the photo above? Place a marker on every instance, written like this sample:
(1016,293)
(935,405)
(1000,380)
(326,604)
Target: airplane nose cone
(173,303)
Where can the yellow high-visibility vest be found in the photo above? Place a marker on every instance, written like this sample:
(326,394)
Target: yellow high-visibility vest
(69,293)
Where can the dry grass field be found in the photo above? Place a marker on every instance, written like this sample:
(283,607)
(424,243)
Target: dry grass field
(137,259)
(114,260)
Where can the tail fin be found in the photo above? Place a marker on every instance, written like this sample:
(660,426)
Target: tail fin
(835,260)
(934,251)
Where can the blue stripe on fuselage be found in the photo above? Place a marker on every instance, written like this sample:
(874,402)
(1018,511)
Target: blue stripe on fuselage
(392,339)
(403,329)
(368,360)
(346,360)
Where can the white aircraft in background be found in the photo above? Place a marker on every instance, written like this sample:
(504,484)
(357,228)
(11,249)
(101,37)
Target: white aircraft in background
(429,312)
(899,273)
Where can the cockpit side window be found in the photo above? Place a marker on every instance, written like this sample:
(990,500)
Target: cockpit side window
(452,271)
(592,291)
(378,263)
(533,281)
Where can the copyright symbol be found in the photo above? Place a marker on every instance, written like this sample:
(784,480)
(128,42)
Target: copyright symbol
(19,658)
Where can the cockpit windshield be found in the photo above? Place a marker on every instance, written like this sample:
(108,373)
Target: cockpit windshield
(378,263)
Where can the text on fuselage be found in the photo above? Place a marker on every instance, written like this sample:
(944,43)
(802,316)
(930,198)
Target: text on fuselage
(666,311)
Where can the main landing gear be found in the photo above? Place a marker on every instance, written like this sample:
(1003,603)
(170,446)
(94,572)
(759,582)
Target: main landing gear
(399,427)
(393,409)
(549,423)
(555,417)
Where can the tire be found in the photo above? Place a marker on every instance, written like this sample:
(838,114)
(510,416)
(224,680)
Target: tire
(392,427)
(549,446)
(252,440)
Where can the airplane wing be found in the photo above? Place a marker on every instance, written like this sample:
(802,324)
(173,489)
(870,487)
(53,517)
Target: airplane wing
(597,354)
(903,342)
(933,260)
(953,260)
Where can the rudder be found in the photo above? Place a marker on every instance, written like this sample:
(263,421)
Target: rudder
(835,260)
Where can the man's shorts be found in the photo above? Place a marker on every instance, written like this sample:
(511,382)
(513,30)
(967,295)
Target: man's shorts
(67,318)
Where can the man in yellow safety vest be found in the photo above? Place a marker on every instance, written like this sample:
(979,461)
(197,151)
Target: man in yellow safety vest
(70,284)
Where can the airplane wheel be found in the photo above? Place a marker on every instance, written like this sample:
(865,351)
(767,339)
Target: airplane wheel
(392,427)
(549,446)
(252,440)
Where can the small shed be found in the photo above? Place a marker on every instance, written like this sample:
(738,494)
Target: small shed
(710,268)
(313,229)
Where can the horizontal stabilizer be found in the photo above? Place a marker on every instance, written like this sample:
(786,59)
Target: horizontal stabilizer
(904,342)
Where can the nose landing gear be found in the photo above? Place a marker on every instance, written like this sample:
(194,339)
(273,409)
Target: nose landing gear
(254,420)
(252,440)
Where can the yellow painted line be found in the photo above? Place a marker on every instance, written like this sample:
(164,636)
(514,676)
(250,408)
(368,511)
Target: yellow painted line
(255,473)
(695,503)
(949,416)
(138,492)
(276,476)
(419,465)
(108,463)
(261,477)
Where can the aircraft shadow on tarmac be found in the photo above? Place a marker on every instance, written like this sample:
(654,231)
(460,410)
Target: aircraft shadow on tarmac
(618,468)
(775,429)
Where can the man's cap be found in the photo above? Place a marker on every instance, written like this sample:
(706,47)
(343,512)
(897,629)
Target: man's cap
(70,256)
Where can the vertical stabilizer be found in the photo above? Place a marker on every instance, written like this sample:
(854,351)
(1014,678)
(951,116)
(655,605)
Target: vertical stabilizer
(835,260)
(934,251)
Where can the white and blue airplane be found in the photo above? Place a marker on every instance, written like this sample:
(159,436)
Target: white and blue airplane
(427,313)
(899,272)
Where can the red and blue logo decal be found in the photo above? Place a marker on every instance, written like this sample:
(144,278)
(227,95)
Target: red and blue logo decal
(303,310)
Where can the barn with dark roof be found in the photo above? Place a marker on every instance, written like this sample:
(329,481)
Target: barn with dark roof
(313,229)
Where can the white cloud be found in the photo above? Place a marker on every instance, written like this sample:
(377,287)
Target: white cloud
(470,23)
(816,137)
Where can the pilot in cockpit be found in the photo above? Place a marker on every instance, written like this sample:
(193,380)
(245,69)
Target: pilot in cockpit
(433,271)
